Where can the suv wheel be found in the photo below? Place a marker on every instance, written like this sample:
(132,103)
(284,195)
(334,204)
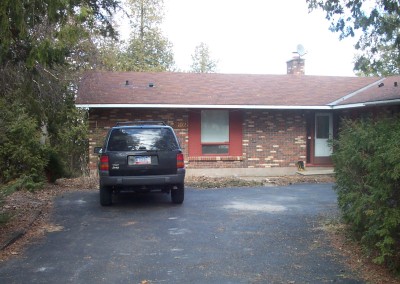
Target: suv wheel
(178,194)
(105,196)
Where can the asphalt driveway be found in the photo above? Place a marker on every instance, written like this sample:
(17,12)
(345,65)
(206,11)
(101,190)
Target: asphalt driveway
(231,235)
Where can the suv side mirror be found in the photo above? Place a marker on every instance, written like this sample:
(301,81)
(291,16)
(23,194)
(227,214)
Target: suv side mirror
(98,150)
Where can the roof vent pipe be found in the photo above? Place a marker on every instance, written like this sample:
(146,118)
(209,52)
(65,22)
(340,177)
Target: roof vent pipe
(381,85)
(395,84)
(126,83)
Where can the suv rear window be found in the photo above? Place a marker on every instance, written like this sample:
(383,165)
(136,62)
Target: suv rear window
(134,139)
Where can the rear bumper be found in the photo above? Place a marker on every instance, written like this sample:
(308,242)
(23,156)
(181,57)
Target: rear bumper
(124,181)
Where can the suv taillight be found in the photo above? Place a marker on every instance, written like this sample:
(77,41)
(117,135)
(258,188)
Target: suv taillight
(104,163)
(180,162)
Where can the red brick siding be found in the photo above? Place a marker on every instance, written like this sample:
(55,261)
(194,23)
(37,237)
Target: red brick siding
(273,138)
(101,120)
(270,138)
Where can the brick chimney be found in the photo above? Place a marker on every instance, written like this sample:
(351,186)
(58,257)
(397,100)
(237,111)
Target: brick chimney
(295,66)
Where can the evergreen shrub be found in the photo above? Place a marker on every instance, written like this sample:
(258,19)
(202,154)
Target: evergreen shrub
(367,168)
(21,153)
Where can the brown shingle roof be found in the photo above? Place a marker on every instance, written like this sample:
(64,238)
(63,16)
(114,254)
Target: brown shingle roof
(388,89)
(226,89)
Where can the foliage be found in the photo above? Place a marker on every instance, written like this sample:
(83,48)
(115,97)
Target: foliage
(41,31)
(67,129)
(4,218)
(202,62)
(146,49)
(43,104)
(23,182)
(150,52)
(379,43)
(112,55)
(21,152)
(43,47)
(367,171)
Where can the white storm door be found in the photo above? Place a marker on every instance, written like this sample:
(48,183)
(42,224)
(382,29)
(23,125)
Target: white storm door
(323,132)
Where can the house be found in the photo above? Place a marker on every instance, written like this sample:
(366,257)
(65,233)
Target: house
(238,123)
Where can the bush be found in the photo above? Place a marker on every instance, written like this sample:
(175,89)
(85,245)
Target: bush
(30,150)
(367,167)
(21,153)
(54,168)
(23,182)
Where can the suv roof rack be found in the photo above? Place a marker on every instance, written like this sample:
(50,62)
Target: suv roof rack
(140,122)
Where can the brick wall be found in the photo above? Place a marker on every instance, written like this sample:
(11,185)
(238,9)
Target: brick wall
(273,138)
(270,138)
(101,120)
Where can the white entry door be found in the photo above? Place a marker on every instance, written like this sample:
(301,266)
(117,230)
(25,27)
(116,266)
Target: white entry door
(323,132)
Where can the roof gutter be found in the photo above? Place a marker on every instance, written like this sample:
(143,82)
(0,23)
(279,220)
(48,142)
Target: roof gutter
(387,102)
(349,106)
(245,107)
(368,104)
(334,103)
(202,106)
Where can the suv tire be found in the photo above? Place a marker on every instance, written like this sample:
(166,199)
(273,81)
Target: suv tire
(178,194)
(105,196)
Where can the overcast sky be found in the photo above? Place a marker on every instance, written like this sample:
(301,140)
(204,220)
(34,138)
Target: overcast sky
(256,36)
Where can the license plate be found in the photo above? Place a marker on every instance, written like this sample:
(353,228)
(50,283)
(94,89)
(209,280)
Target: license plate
(139,160)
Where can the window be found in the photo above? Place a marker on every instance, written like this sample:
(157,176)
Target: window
(322,128)
(215,132)
(134,139)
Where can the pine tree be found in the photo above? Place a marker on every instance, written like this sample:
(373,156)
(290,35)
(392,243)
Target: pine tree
(202,62)
(147,49)
(42,46)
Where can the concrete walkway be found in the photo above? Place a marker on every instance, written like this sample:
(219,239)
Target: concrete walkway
(258,172)
(316,171)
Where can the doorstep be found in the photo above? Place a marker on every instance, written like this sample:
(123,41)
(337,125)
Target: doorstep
(316,171)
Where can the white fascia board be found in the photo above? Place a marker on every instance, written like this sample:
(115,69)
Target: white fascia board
(348,106)
(366,104)
(386,102)
(201,106)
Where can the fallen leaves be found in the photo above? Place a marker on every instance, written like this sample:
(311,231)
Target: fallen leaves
(205,182)
(50,228)
(27,214)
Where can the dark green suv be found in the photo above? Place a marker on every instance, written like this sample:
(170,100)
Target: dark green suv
(141,157)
